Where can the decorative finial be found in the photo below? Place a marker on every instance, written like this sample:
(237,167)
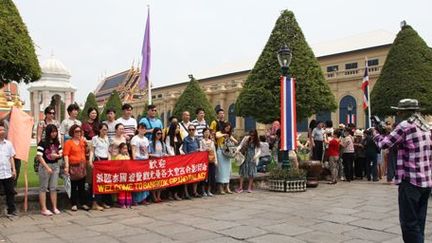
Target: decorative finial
(403,24)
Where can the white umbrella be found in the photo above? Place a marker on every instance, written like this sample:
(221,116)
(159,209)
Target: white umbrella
(67,184)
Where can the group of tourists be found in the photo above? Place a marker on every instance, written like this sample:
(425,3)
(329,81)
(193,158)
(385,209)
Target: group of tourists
(72,148)
(351,153)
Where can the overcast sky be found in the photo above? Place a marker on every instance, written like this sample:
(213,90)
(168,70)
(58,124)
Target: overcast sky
(203,37)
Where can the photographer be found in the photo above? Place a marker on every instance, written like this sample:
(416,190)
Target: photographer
(413,174)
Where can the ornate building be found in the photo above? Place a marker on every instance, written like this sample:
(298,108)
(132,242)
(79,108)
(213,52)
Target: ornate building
(54,87)
(342,62)
(9,96)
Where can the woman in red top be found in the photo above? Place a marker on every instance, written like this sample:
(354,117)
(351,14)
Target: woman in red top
(333,153)
(75,165)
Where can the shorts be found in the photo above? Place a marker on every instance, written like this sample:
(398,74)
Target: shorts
(48,181)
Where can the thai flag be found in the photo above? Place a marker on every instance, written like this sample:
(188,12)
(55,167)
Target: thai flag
(351,119)
(288,114)
(365,87)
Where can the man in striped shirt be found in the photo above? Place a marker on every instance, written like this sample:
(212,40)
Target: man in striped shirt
(413,139)
(129,123)
(111,122)
(199,123)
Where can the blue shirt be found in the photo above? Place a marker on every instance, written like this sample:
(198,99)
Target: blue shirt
(190,145)
(151,123)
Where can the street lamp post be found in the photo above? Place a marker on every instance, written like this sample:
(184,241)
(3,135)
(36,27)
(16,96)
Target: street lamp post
(284,56)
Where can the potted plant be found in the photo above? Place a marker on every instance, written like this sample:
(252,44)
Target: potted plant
(287,180)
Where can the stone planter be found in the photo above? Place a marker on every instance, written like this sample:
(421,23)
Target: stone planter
(314,169)
(296,186)
(287,185)
(276,185)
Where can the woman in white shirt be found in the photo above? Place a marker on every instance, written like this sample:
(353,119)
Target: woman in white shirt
(140,152)
(99,151)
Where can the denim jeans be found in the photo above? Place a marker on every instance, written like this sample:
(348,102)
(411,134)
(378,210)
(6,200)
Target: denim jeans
(413,203)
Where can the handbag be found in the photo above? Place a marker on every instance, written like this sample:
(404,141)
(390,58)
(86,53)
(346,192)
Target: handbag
(239,158)
(77,172)
(229,148)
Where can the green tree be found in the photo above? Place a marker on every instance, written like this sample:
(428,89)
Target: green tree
(18,61)
(260,95)
(193,97)
(114,102)
(407,73)
(90,102)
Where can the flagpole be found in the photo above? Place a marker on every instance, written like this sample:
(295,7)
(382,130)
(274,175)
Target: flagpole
(368,91)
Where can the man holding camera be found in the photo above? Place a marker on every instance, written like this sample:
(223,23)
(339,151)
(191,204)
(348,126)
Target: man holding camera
(413,139)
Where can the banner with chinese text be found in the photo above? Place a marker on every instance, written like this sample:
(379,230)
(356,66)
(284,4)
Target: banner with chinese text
(143,175)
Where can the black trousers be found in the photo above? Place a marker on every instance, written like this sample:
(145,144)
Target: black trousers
(359,167)
(8,186)
(211,178)
(318,150)
(18,169)
(348,159)
(413,203)
(78,193)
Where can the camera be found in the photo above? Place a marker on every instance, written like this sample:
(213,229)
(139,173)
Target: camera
(380,126)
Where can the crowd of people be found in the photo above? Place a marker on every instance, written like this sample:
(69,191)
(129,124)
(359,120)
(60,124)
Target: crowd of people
(72,148)
(350,153)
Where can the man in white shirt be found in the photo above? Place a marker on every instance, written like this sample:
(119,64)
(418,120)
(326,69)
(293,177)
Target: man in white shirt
(184,124)
(129,123)
(7,170)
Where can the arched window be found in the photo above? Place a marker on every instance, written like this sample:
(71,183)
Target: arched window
(168,115)
(323,116)
(348,110)
(302,126)
(232,115)
(250,124)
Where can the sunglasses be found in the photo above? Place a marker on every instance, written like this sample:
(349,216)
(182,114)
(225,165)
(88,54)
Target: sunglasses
(191,130)
(154,110)
(51,112)
(159,133)
(77,131)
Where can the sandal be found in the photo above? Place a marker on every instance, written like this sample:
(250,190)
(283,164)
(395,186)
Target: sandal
(46,213)
(56,211)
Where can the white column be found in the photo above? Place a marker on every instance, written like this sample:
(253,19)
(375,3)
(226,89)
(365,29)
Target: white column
(67,101)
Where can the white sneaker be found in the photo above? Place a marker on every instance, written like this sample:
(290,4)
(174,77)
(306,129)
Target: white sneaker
(210,194)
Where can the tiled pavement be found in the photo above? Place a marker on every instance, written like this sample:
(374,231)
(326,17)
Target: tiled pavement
(346,212)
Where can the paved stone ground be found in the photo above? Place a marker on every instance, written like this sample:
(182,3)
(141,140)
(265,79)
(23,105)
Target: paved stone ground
(346,212)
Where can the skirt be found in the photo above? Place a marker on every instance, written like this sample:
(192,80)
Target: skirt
(248,169)
(223,170)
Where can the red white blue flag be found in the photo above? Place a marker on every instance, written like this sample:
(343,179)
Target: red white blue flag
(288,114)
(365,87)
(351,119)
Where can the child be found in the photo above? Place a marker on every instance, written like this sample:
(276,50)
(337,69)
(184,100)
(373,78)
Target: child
(7,170)
(124,198)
